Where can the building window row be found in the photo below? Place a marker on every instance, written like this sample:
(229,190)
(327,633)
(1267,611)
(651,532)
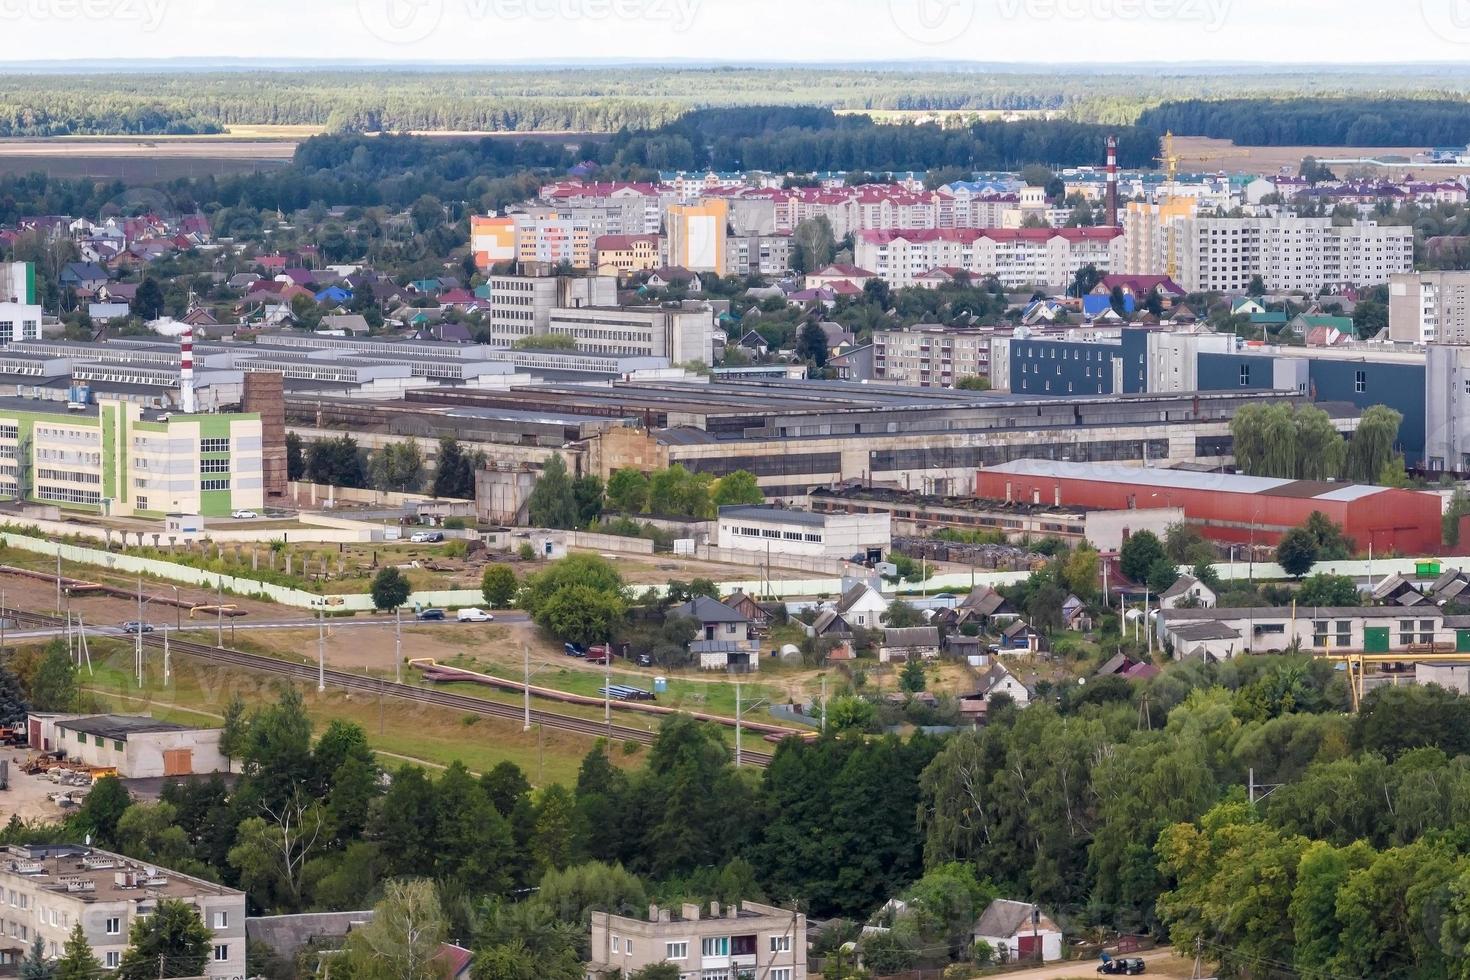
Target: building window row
(68,495)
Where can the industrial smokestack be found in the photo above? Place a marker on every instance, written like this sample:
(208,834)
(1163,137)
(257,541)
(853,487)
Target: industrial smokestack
(1112,182)
(186,372)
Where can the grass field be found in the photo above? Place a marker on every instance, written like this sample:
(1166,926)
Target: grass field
(197,694)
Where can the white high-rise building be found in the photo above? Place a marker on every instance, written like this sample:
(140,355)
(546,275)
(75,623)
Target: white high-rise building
(1429,307)
(1289,253)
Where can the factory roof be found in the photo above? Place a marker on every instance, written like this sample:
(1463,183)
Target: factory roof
(776,515)
(1148,477)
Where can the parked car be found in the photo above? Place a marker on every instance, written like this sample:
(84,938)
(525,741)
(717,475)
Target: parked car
(597,655)
(244,515)
(572,650)
(427,537)
(136,627)
(474,616)
(1127,967)
(645,660)
(428,615)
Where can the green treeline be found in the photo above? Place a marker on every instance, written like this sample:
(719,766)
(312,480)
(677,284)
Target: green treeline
(1317,122)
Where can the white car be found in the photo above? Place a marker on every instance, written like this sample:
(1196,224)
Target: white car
(475,616)
(427,537)
(244,515)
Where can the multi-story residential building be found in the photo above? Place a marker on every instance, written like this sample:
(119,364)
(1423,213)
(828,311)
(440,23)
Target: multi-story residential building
(681,336)
(1429,307)
(493,240)
(623,255)
(46,890)
(520,306)
(931,356)
(115,458)
(764,255)
(696,235)
(625,208)
(1288,253)
(752,939)
(1016,257)
(20,314)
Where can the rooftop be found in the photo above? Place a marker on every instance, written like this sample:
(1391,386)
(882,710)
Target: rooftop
(87,874)
(1148,477)
(119,727)
(778,515)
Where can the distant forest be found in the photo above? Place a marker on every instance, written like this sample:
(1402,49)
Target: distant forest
(1317,122)
(607,99)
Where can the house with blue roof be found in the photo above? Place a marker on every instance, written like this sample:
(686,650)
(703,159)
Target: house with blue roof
(333,294)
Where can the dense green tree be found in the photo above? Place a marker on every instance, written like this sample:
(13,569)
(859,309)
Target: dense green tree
(404,938)
(1328,590)
(77,961)
(911,679)
(171,942)
(1139,554)
(35,965)
(627,491)
(398,467)
(587,491)
(1297,552)
(390,588)
(102,809)
(473,839)
(295,458)
(148,301)
(54,685)
(1372,445)
(454,471)
(553,504)
(739,487)
(336,462)
(498,586)
(811,344)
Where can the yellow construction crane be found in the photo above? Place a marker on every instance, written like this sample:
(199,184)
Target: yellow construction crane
(1357,664)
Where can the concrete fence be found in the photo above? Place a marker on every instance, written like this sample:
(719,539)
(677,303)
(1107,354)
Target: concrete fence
(609,542)
(794,563)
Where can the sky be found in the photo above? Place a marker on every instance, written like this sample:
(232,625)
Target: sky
(1049,31)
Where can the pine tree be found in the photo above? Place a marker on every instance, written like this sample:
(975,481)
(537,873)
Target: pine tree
(77,960)
(35,966)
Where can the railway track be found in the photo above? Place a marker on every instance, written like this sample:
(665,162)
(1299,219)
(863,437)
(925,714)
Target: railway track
(357,683)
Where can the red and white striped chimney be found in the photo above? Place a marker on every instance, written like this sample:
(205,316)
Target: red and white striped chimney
(1112,182)
(186,371)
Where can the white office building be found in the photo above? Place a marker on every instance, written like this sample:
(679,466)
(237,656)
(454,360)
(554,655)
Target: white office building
(680,336)
(520,306)
(776,530)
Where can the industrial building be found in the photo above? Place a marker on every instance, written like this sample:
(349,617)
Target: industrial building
(738,940)
(764,530)
(681,336)
(137,746)
(52,888)
(20,314)
(520,306)
(1228,507)
(793,435)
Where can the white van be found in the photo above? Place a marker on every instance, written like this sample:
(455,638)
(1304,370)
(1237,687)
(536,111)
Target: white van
(475,616)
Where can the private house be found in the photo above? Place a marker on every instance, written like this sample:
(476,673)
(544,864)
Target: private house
(1019,638)
(757,614)
(1187,591)
(1075,616)
(1023,931)
(999,680)
(1398,591)
(984,606)
(830,624)
(725,640)
(909,643)
(862,606)
(83,276)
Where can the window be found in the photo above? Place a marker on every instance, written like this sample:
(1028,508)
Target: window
(676,951)
(221,952)
(780,944)
(114,926)
(214,466)
(1245,375)
(627,947)
(617,945)
(214,445)
(141,503)
(715,946)
(214,484)
(1360,381)
(113,960)
(221,920)
(783,973)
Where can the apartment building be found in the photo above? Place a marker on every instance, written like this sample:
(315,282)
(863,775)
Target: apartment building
(1288,253)
(520,306)
(116,458)
(46,890)
(1015,256)
(681,336)
(696,235)
(764,255)
(930,357)
(1429,307)
(625,208)
(745,940)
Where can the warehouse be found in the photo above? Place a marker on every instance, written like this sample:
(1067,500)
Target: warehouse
(776,530)
(1228,507)
(137,746)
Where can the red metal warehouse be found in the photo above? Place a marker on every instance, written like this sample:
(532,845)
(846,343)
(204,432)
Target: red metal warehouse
(1227,507)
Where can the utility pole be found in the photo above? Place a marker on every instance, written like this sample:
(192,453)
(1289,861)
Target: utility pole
(398,645)
(219,611)
(526,652)
(607,693)
(137,634)
(321,650)
(737,724)
(824,704)
(58,580)
(167,668)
